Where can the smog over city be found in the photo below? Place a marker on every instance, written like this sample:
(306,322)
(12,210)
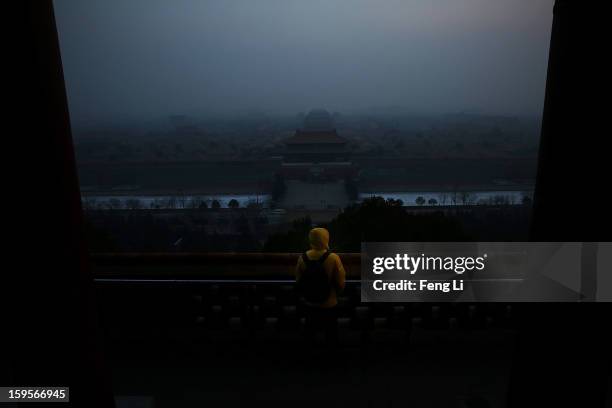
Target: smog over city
(141,59)
(287,114)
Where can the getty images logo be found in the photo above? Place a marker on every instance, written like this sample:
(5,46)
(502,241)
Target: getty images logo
(413,264)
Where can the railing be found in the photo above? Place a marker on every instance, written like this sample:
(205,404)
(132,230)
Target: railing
(214,289)
(137,290)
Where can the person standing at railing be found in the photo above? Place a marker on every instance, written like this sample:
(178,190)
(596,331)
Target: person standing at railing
(320,277)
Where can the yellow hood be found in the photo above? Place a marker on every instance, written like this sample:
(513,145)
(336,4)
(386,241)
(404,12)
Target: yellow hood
(319,238)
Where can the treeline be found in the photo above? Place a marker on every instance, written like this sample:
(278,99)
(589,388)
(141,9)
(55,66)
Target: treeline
(375,219)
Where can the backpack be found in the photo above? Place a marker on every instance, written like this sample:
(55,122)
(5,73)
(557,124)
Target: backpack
(314,283)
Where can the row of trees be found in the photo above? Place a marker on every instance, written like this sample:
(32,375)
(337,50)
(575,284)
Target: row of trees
(380,220)
(172,202)
(373,220)
(466,198)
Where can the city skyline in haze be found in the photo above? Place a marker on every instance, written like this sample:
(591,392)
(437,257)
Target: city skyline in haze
(144,59)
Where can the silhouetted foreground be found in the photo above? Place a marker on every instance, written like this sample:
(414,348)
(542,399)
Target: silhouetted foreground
(225,342)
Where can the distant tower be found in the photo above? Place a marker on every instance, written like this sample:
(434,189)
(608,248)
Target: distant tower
(317,151)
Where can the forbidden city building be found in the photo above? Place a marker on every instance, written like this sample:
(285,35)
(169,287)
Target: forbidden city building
(317,151)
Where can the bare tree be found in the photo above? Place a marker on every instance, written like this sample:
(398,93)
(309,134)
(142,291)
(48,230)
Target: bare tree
(114,204)
(443,196)
(89,203)
(500,199)
(252,204)
(182,199)
(526,200)
(195,202)
(155,204)
(466,197)
(172,202)
(133,204)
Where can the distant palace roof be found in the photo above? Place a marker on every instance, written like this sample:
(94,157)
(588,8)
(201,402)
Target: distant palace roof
(318,120)
(315,137)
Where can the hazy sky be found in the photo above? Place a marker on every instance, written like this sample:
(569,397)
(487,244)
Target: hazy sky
(146,58)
